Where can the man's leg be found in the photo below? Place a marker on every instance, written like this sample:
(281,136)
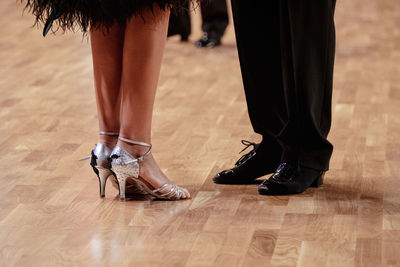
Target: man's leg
(214,14)
(257,29)
(260,63)
(308,47)
(179,23)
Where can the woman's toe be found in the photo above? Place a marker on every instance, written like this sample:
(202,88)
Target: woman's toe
(187,194)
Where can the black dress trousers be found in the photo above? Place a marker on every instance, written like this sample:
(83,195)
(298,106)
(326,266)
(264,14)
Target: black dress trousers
(214,14)
(288,78)
(179,23)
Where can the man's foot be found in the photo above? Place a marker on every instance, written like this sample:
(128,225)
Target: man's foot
(289,179)
(208,41)
(250,166)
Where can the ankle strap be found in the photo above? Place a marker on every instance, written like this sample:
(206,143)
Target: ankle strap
(109,133)
(134,142)
(141,158)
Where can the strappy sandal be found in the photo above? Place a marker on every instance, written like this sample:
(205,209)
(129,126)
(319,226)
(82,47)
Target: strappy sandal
(126,167)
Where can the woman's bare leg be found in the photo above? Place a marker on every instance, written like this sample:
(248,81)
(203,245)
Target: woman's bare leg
(107,48)
(145,38)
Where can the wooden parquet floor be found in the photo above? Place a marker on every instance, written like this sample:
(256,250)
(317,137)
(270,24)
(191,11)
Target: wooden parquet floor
(50,212)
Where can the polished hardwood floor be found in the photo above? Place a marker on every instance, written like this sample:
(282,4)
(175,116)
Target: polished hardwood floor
(50,212)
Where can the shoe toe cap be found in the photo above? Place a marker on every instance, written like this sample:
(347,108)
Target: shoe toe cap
(221,176)
(271,188)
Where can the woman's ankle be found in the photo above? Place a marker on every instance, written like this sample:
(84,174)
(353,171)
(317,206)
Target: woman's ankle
(109,141)
(134,150)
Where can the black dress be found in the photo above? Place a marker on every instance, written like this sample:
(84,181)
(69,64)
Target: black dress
(86,14)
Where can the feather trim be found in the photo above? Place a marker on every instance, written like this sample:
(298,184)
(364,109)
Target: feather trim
(86,14)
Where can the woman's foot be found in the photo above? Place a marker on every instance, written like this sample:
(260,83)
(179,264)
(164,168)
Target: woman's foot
(101,165)
(149,169)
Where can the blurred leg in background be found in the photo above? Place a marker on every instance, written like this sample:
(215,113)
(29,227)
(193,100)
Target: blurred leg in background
(215,19)
(179,23)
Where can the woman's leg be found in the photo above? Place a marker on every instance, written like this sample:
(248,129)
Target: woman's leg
(107,47)
(145,38)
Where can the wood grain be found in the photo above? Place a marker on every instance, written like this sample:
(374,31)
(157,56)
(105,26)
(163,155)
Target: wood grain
(50,213)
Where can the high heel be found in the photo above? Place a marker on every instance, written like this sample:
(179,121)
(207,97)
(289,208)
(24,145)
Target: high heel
(101,166)
(126,167)
(318,181)
(100,162)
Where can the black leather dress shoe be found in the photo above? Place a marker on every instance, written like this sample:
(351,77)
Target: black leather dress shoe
(289,179)
(207,41)
(249,167)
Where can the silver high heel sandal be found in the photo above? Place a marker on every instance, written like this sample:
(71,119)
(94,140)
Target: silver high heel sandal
(126,167)
(100,162)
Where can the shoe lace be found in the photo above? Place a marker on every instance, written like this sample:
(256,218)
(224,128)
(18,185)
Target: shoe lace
(245,157)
